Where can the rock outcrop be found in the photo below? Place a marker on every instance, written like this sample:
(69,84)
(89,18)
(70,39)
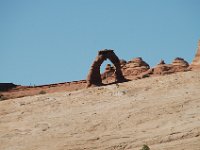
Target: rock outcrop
(138,68)
(196,61)
(129,69)
(177,65)
(180,62)
(94,77)
(135,67)
(109,72)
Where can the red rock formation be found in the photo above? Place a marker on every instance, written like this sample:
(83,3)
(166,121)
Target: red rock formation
(135,67)
(162,69)
(94,76)
(180,62)
(162,62)
(129,69)
(196,61)
(109,72)
(178,65)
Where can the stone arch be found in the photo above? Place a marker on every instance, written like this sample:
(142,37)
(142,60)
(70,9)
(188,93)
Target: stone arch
(94,76)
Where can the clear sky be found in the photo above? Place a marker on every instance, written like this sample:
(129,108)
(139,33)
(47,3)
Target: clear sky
(50,41)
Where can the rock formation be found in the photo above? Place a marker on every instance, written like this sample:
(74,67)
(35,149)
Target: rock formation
(196,61)
(119,72)
(94,76)
(178,65)
(180,62)
(130,69)
(138,68)
(135,67)
(162,62)
(162,69)
(109,72)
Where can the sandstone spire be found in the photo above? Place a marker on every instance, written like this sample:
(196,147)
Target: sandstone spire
(196,61)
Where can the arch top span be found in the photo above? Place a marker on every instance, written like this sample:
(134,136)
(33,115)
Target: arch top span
(94,76)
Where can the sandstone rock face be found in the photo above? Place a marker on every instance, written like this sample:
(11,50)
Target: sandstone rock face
(131,68)
(196,61)
(162,69)
(178,65)
(94,76)
(180,62)
(109,72)
(135,67)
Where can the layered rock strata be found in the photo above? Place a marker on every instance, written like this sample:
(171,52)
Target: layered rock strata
(135,67)
(177,65)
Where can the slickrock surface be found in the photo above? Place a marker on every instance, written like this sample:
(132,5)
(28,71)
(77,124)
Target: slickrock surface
(162,112)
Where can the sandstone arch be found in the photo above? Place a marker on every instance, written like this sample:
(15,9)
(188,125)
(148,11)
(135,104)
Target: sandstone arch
(94,76)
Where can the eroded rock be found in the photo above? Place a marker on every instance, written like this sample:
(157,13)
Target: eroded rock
(94,76)
(135,67)
(178,65)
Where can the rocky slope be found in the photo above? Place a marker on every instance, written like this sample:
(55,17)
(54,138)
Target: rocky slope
(162,112)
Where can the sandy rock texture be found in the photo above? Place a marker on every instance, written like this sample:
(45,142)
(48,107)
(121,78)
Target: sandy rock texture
(162,112)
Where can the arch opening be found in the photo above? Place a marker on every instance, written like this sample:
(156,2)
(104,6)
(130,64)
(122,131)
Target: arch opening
(104,64)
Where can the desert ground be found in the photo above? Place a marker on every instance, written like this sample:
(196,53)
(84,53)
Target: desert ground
(162,112)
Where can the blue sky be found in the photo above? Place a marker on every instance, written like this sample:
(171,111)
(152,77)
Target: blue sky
(50,41)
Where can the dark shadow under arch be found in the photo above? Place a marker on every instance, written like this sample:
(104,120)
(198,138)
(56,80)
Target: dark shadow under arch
(94,76)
